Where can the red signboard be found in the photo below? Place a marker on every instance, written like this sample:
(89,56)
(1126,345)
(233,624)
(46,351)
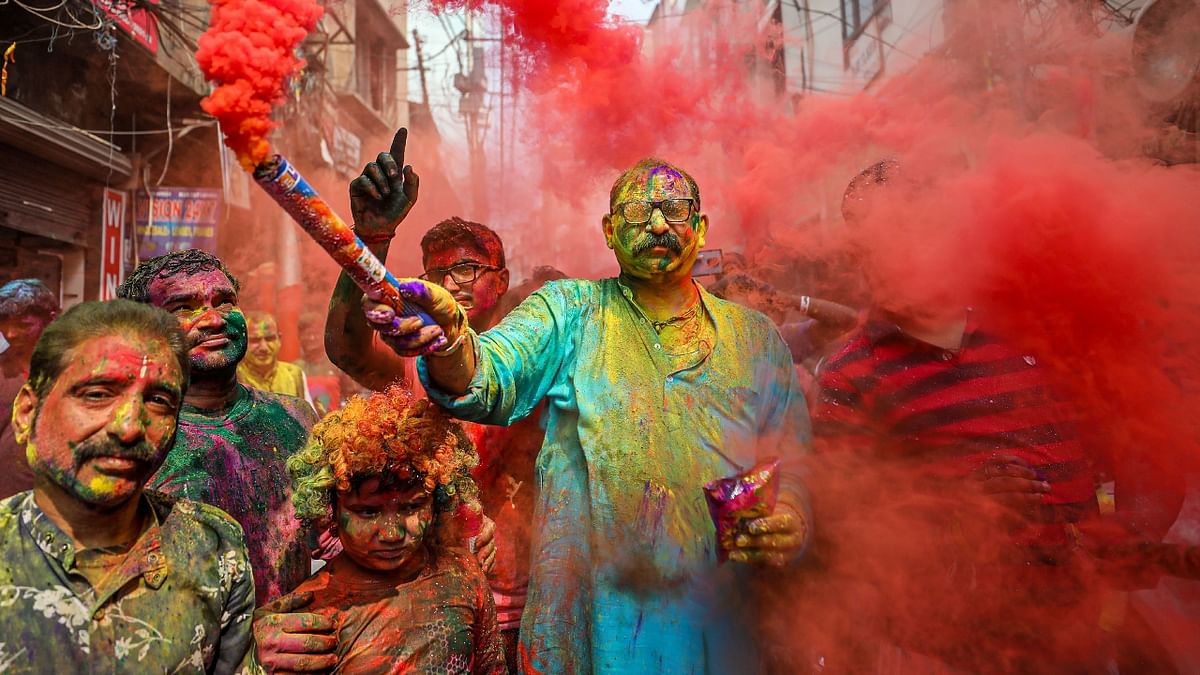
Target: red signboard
(140,23)
(112,246)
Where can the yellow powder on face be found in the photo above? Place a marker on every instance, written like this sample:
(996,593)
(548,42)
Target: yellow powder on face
(102,484)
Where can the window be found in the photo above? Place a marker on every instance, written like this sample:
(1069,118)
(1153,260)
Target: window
(857,13)
(375,63)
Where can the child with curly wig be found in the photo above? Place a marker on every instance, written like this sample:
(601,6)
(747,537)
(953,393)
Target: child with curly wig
(394,473)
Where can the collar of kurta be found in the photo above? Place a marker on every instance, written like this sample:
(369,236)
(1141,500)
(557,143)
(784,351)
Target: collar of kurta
(145,558)
(649,335)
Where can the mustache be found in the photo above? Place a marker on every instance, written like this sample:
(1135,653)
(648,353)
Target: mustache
(667,240)
(92,448)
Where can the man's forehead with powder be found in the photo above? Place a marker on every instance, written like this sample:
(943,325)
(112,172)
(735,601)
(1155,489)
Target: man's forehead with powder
(654,183)
(185,286)
(123,359)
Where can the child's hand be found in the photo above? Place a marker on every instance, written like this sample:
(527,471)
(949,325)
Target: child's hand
(290,641)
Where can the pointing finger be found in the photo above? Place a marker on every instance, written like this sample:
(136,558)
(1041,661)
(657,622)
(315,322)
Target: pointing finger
(398,142)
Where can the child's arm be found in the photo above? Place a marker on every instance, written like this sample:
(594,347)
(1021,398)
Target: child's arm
(489,649)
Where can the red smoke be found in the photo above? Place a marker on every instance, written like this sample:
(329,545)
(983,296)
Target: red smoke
(1039,207)
(249,52)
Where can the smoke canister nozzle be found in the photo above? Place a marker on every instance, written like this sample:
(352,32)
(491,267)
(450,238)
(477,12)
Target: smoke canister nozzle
(288,188)
(733,501)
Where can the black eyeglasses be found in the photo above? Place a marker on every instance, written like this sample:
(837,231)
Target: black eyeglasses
(673,210)
(463,274)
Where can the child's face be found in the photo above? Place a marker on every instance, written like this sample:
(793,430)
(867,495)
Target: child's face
(382,528)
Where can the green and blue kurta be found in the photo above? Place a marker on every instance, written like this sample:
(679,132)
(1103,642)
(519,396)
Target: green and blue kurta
(624,569)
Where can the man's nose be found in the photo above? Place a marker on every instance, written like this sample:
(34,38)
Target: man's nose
(211,318)
(127,425)
(657,224)
(450,284)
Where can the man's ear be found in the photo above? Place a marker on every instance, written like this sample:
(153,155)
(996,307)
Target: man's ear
(504,276)
(23,413)
(701,229)
(607,226)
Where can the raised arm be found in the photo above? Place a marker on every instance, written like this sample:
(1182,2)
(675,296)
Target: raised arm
(379,201)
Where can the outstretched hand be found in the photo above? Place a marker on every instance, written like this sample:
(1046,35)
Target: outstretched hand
(383,195)
(407,336)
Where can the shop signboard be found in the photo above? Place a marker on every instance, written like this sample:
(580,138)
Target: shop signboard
(112,243)
(175,219)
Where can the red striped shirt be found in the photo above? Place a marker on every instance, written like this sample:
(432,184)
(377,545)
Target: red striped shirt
(948,412)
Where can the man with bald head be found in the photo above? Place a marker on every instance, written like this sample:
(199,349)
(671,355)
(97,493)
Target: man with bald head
(653,388)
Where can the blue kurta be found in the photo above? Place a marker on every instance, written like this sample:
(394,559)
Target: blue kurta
(624,574)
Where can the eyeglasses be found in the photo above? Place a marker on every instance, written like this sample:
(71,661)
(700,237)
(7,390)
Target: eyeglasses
(463,274)
(673,210)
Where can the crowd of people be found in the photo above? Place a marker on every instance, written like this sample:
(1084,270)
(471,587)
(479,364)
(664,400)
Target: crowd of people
(521,489)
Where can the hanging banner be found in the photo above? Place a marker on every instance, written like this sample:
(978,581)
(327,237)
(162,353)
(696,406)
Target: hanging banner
(175,219)
(112,243)
(135,19)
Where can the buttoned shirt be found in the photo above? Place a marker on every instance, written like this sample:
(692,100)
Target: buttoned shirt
(180,600)
(624,571)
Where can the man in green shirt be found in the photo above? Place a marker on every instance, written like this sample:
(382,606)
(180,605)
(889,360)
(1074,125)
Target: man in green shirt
(653,388)
(97,575)
(233,442)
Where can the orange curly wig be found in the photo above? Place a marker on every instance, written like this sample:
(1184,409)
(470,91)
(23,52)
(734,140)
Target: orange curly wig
(388,432)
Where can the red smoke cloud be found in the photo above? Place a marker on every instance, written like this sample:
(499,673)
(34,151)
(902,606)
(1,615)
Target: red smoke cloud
(249,52)
(1039,207)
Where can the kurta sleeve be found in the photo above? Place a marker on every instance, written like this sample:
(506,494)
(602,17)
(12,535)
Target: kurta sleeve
(784,428)
(517,361)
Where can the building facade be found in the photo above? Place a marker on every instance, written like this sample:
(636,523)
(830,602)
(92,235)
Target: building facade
(102,140)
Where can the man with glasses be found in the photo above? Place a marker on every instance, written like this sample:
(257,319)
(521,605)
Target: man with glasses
(653,388)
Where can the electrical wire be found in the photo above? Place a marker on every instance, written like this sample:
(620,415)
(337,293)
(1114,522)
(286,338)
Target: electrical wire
(78,25)
(44,9)
(170,137)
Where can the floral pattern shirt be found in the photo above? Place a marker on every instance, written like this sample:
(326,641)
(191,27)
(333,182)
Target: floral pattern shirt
(180,601)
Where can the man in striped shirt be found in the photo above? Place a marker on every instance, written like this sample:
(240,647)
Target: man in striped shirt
(948,460)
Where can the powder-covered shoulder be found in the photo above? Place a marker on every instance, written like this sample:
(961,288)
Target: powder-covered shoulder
(741,316)
(570,291)
(185,513)
(10,507)
(557,302)
(461,561)
(296,408)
